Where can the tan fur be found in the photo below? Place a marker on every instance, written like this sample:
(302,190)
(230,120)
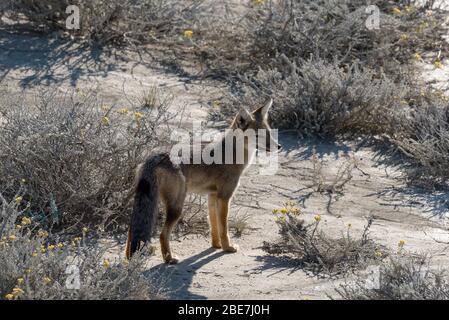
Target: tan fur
(218,181)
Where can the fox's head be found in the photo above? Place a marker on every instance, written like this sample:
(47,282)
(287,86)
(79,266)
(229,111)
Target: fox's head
(257,120)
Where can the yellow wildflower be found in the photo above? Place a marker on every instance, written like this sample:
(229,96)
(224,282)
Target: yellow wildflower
(274,211)
(294,211)
(16,291)
(123,111)
(51,247)
(18,200)
(9,296)
(188,34)
(42,234)
(47,280)
(401,243)
(35,254)
(106,263)
(317,218)
(26,221)
(60,245)
(284,210)
(105,121)
(12,237)
(18,227)
(85,230)
(138,116)
(20,281)
(438,64)
(397,11)
(104,108)
(417,57)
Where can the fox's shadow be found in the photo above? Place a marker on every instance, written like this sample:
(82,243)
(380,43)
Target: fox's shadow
(176,279)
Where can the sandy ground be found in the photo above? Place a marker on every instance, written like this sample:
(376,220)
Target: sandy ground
(32,63)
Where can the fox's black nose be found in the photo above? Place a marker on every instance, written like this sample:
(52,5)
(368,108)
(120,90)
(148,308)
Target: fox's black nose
(279,147)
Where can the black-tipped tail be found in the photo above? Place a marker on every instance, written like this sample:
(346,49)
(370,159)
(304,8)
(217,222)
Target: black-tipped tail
(145,210)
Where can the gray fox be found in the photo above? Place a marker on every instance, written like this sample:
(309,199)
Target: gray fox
(160,178)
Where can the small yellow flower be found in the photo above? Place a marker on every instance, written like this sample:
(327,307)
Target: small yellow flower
(12,237)
(317,218)
(28,271)
(85,230)
(124,111)
(408,9)
(9,296)
(378,254)
(276,219)
(106,121)
(47,280)
(106,263)
(60,245)
(401,243)
(284,210)
(42,234)
(294,211)
(274,211)
(18,200)
(18,227)
(438,64)
(20,281)
(104,108)
(17,291)
(397,11)
(404,37)
(51,247)
(417,57)
(26,221)
(35,254)
(188,34)
(138,116)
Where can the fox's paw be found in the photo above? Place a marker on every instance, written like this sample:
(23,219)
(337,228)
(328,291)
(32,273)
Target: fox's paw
(216,244)
(171,259)
(231,248)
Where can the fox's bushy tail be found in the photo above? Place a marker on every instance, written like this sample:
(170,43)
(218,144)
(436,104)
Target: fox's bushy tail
(145,208)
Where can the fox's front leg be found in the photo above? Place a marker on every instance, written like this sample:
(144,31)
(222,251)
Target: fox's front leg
(213,220)
(223,210)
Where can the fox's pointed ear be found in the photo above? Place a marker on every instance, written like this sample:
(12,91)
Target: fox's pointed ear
(263,111)
(243,118)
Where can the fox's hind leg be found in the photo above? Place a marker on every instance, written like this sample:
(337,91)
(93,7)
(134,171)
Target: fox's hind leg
(213,220)
(173,196)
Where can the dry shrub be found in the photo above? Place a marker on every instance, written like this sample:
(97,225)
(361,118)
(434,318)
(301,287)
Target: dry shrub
(325,99)
(73,159)
(105,21)
(400,278)
(36,264)
(423,135)
(313,250)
